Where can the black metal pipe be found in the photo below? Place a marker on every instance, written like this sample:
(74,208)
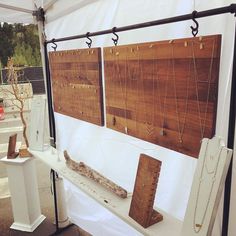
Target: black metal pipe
(230,144)
(222,10)
(52,128)
(55,199)
(52,132)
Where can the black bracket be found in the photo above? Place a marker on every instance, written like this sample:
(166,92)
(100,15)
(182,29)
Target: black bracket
(39,14)
(115,40)
(55,45)
(90,40)
(194,29)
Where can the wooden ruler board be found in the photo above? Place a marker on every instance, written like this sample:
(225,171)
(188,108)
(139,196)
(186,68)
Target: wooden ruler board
(141,207)
(77,84)
(164,92)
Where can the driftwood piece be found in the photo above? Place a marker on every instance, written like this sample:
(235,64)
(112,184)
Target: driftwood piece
(87,171)
(11,153)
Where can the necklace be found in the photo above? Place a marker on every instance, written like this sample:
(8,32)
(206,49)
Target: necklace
(198,226)
(132,77)
(180,129)
(162,107)
(121,87)
(150,123)
(149,126)
(110,84)
(202,123)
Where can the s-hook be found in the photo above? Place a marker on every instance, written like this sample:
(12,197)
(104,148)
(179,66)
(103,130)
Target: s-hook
(55,45)
(115,40)
(194,29)
(90,40)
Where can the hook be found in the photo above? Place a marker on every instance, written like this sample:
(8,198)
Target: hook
(115,40)
(90,40)
(55,45)
(194,29)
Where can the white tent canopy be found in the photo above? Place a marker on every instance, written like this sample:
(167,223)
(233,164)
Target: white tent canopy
(21,11)
(101,147)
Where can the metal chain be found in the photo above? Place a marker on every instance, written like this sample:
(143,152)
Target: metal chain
(202,124)
(180,129)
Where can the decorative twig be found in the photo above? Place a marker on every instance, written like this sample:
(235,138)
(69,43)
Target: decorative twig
(20,95)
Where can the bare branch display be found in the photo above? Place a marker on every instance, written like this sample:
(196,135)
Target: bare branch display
(17,94)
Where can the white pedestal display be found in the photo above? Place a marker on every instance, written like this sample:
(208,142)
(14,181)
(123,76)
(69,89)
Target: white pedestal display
(24,193)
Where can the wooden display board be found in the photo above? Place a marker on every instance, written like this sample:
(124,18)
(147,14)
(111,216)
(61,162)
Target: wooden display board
(164,92)
(77,84)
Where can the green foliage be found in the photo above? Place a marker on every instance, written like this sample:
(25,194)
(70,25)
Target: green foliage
(20,42)
(6,42)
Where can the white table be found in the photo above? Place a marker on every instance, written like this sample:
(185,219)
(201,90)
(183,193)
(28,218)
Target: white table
(120,207)
(24,193)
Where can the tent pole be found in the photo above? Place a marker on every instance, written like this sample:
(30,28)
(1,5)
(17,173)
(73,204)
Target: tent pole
(52,130)
(230,144)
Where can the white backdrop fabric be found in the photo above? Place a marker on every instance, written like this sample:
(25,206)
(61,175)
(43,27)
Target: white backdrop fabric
(114,154)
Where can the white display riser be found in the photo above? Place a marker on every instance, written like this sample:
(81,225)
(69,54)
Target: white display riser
(24,193)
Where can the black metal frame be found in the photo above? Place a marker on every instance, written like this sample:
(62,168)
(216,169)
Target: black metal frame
(231,129)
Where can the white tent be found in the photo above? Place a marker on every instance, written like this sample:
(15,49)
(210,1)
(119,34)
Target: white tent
(112,153)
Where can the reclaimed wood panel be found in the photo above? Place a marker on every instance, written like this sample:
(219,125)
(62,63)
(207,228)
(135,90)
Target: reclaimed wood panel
(141,207)
(164,92)
(77,84)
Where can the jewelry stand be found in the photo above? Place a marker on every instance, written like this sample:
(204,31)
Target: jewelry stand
(24,193)
(37,124)
(208,183)
(11,153)
(141,208)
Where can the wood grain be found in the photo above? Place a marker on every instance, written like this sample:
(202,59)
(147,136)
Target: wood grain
(167,87)
(141,207)
(77,84)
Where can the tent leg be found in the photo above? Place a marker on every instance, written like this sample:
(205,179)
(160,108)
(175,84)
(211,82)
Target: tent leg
(52,130)
(230,144)
(58,230)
